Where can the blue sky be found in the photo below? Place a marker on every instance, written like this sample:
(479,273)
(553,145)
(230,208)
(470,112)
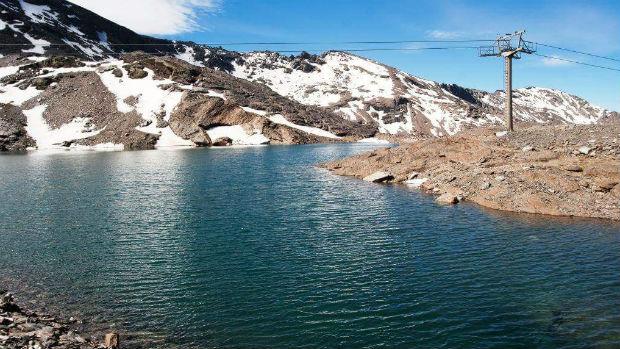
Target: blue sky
(592,26)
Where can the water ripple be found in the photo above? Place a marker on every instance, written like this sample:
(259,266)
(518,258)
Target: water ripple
(240,248)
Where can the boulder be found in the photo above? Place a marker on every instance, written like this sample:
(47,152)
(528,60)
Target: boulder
(117,72)
(584,150)
(112,340)
(606,185)
(379,177)
(485,186)
(136,71)
(222,142)
(413,175)
(574,168)
(41,83)
(447,199)
(527,148)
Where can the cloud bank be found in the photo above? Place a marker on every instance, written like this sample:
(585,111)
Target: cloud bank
(153,17)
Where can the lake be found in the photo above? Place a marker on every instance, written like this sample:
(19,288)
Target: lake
(257,248)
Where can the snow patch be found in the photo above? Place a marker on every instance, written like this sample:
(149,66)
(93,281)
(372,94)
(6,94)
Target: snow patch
(255,111)
(212,93)
(75,30)
(416,182)
(188,56)
(98,147)
(11,94)
(169,139)
(151,98)
(238,135)
(92,51)
(38,13)
(373,140)
(48,138)
(6,71)
(39,45)
(280,119)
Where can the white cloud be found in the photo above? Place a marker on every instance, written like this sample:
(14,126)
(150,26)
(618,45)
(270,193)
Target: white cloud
(555,61)
(163,17)
(444,35)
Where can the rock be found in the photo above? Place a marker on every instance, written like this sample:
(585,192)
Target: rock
(447,199)
(574,168)
(145,123)
(118,72)
(616,191)
(500,178)
(501,134)
(527,148)
(45,333)
(584,150)
(222,142)
(25,329)
(485,186)
(136,71)
(606,185)
(413,175)
(416,182)
(379,177)
(41,83)
(112,340)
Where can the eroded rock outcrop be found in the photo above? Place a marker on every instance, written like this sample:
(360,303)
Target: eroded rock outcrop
(13,135)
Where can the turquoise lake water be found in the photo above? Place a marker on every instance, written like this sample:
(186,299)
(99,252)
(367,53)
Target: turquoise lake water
(257,248)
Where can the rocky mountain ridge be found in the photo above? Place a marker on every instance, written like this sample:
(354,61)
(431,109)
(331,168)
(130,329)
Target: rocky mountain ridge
(365,91)
(142,101)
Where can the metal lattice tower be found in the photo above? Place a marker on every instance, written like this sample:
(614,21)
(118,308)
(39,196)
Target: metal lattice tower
(508,46)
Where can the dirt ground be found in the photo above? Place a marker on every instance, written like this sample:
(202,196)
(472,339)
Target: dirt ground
(553,170)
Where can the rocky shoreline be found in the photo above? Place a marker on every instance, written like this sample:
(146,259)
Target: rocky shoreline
(21,328)
(552,170)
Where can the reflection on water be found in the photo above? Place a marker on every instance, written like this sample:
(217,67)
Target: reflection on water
(255,247)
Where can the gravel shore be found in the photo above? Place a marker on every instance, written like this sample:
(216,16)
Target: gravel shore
(21,328)
(552,170)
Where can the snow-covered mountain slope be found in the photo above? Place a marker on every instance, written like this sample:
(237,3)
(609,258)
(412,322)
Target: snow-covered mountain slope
(335,92)
(58,27)
(54,27)
(362,90)
(144,102)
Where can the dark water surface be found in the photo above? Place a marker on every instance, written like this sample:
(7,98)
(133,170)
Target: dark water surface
(256,248)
